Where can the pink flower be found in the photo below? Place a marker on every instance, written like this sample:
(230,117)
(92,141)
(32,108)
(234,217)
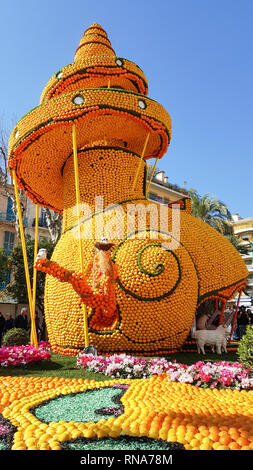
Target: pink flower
(22,355)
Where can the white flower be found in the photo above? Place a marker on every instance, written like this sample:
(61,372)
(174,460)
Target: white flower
(138,368)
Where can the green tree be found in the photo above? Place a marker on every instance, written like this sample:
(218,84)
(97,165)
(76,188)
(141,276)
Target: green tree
(236,242)
(3,265)
(150,169)
(211,211)
(17,289)
(216,214)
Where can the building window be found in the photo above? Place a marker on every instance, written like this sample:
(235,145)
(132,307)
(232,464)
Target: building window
(8,247)
(155,197)
(9,212)
(8,242)
(42,218)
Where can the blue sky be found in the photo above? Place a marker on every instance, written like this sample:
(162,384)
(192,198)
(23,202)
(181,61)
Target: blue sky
(196,55)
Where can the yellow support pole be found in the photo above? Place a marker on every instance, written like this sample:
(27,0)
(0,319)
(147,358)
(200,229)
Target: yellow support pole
(34,339)
(22,236)
(139,166)
(152,174)
(86,336)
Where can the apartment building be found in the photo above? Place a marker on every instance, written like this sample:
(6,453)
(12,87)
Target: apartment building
(161,191)
(243,228)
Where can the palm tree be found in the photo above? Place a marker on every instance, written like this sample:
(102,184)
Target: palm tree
(211,211)
(236,242)
(216,214)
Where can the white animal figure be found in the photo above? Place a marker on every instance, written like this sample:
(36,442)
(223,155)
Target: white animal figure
(212,338)
(42,254)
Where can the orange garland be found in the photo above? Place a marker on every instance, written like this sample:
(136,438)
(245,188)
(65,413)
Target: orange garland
(102,300)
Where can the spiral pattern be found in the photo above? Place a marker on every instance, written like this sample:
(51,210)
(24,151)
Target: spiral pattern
(149,260)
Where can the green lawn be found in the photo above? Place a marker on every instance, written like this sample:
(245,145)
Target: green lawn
(64,366)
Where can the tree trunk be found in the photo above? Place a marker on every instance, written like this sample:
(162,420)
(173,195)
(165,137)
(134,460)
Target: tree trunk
(54,223)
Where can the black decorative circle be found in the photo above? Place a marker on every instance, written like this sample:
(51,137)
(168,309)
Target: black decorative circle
(142,104)
(59,74)
(119,61)
(78,100)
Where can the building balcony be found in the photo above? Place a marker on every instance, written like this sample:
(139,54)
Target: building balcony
(5,217)
(42,222)
(243,231)
(247,257)
(10,219)
(245,243)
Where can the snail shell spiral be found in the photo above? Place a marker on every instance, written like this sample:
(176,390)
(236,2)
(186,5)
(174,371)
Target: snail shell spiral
(157,290)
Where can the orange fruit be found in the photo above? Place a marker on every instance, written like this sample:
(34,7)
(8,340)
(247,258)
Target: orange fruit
(234,446)
(214,436)
(214,429)
(232,430)
(225,440)
(242,441)
(216,445)
(195,443)
(204,431)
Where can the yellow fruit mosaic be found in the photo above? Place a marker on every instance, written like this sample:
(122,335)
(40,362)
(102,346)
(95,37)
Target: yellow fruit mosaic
(38,413)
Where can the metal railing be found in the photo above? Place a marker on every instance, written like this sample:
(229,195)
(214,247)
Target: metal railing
(5,217)
(42,222)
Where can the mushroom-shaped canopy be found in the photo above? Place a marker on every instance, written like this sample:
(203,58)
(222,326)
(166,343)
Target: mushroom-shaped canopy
(105,96)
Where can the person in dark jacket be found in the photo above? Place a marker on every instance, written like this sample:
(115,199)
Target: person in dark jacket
(242,321)
(9,322)
(250,315)
(2,327)
(21,321)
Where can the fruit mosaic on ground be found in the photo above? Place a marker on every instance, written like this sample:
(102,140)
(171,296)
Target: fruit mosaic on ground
(77,414)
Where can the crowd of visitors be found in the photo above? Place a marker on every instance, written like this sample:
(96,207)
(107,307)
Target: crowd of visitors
(8,321)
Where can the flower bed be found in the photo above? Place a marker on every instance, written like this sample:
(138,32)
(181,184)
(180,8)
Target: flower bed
(24,355)
(211,375)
